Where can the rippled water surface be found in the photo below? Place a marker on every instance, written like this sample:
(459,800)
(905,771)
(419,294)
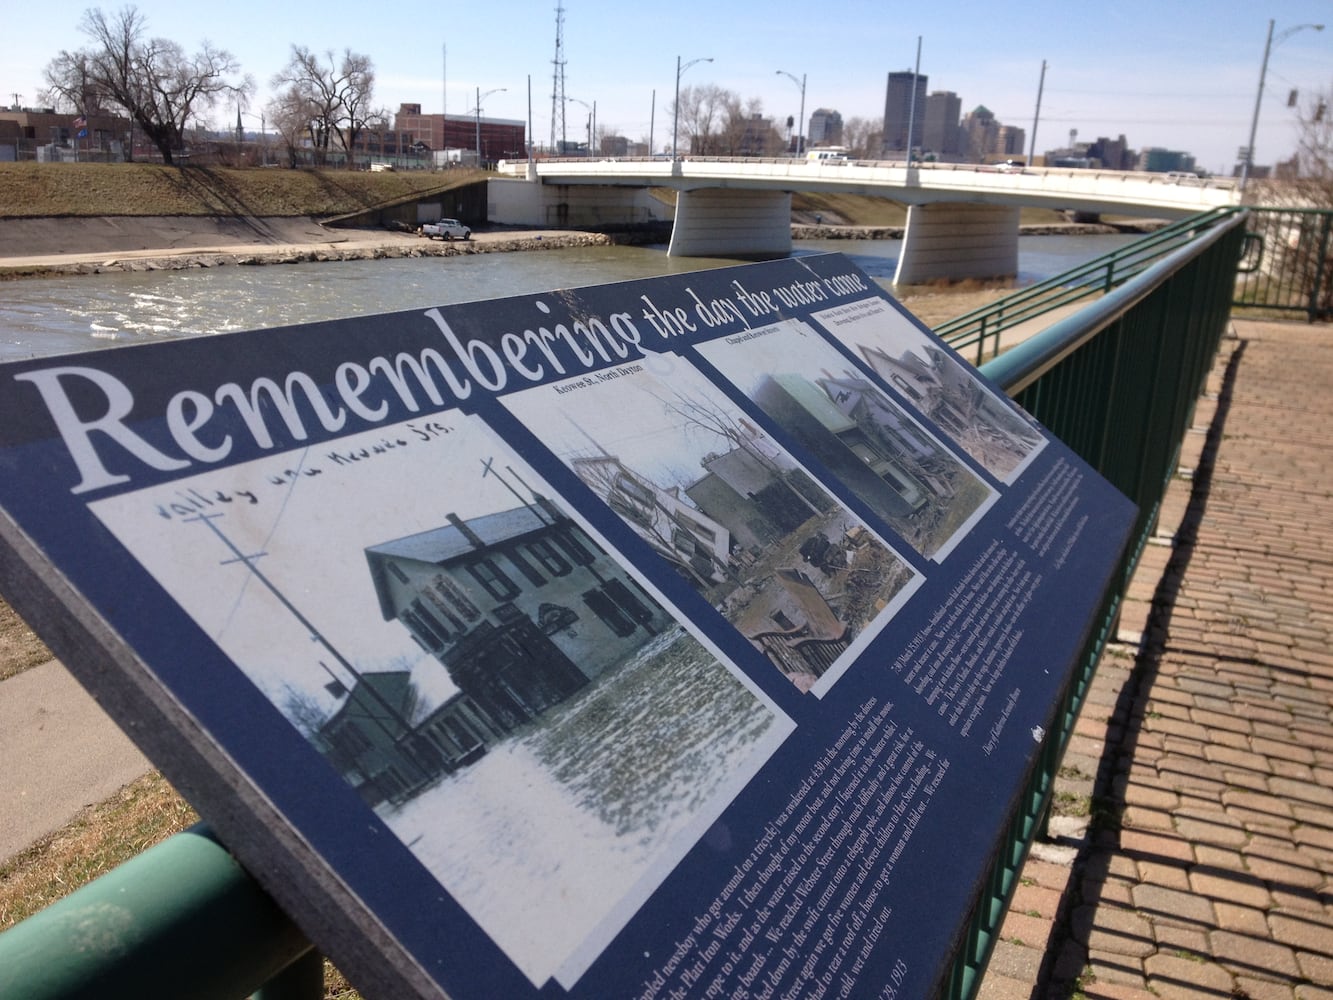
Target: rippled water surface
(45,316)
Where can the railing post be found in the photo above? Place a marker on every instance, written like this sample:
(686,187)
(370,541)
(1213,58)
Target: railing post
(1313,311)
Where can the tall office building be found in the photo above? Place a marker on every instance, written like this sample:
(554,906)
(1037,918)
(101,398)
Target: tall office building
(939,127)
(825,128)
(981,133)
(899,107)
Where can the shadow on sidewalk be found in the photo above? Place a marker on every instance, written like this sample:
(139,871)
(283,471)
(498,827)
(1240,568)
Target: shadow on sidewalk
(1059,977)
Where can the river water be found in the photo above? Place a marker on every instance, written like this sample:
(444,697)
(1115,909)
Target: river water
(46,316)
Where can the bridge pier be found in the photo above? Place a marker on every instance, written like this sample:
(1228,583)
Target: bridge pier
(731,222)
(953,241)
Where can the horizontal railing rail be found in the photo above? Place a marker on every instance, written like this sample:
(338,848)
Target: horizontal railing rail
(1117,382)
(977,334)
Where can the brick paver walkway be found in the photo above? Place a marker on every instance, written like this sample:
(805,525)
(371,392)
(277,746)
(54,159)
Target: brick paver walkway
(1206,745)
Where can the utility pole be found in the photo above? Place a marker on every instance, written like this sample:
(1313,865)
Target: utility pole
(911,104)
(1032,145)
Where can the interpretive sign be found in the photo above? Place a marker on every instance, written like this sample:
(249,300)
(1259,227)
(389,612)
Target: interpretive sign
(689,637)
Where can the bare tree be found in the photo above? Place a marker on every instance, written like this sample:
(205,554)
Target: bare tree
(1301,246)
(703,114)
(305,712)
(1314,145)
(159,86)
(291,119)
(863,137)
(334,95)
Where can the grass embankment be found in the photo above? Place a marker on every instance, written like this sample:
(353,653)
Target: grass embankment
(85,190)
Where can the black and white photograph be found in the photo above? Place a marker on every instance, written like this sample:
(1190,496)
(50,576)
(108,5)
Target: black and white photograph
(997,435)
(805,581)
(923,491)
(545,735)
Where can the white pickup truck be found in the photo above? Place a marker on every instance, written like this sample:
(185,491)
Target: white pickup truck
(445,229)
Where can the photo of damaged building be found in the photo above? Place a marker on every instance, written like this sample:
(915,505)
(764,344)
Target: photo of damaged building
(989,430)
(897,468)
(522,609)
(784,563)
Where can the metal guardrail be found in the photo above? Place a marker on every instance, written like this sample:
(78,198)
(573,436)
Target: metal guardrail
(977,334)
(1287,263)
(1117,382)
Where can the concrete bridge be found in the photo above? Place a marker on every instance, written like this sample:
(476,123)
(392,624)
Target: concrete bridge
(962,219)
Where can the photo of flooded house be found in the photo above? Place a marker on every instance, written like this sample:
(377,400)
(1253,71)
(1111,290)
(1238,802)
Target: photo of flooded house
(387,739)
(993,433)
(521,608)
(887,459)
(695,544)
(758,502)
(749,529)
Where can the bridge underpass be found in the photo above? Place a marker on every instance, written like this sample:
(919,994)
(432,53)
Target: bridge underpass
(962,219)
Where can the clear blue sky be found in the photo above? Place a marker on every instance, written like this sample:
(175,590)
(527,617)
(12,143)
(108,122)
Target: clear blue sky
(1182,74)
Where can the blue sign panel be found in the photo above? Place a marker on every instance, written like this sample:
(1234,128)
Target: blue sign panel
(689,637)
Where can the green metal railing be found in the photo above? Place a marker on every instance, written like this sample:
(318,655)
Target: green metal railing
(977,334)
(1116,381)
(1286,265)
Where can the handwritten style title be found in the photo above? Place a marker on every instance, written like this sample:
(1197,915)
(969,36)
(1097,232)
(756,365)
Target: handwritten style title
(101,442)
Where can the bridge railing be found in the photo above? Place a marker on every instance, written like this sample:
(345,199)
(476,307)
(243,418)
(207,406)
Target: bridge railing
(977,334)
(1288,262)
(1117,381)
(1286,266)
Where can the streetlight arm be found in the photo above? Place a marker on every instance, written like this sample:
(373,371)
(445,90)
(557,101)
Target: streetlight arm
(800,122)
(675,120)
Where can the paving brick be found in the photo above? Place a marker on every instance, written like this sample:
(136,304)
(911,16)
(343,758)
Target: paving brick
(1302,931)
(1262,989)
(1234,887)
(1108,968)
(1241,919)
(997,986)
(1316,966)
(1254,956)
(1172,906)
(1113,929)
(1218,882)
(1216,827)
(1176,978)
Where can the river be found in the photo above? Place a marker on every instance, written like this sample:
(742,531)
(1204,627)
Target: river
(61,315)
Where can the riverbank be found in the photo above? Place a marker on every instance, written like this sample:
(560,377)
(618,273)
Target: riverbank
(36,247)
(40,247)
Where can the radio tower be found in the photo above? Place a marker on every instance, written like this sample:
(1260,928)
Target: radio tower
(558,79)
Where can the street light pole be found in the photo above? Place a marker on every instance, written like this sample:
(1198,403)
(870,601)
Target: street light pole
(1248,160)
(592,114)
(675,113)
(800,122)
(480,98)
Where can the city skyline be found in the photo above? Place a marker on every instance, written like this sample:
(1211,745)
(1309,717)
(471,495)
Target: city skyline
(1181,76)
